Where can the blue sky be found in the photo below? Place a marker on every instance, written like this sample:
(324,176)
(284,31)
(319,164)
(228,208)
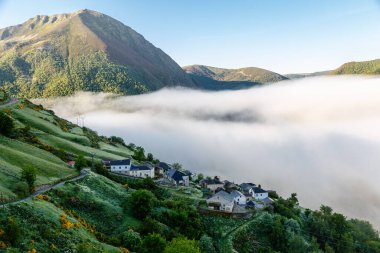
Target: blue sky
(283,36)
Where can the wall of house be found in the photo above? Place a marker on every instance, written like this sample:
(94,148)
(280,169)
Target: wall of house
(260,195)
(120,168)
(141,173)
(241,200)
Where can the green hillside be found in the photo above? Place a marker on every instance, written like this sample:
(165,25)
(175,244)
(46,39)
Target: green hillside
(47,142)
(218,79)
(84,51)
(359,68)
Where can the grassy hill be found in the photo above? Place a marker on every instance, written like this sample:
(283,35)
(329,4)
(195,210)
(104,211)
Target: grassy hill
(47,142)
(83,51)
(359,68)
(217,78)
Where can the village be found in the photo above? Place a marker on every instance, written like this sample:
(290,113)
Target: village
(222,197)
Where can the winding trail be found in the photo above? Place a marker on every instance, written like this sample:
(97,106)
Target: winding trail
(84,173)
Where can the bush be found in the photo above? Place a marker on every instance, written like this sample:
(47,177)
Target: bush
(142,202)
(131,240)
(21,189)
(182,245)
(80,162)
(206,244)
(153,243)
(29,175)
(6,124)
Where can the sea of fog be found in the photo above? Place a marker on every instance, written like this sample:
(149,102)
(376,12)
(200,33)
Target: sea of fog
(319,137)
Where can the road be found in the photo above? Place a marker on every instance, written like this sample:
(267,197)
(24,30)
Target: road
(11,102)
(84,173)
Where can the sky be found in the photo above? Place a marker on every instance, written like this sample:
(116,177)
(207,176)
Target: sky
(294,36)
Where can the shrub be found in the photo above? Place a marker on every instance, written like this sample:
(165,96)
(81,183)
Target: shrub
(80,162)
(153,243)
(131,239)
(6,124)
(29,175)
(21,189)
(142,202)
(182,245)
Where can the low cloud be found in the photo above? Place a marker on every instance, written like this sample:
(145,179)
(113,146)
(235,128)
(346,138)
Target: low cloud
(318,137)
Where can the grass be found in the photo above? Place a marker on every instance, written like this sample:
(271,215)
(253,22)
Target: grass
(46,123)
(117,150)
(76,148)
(14,155)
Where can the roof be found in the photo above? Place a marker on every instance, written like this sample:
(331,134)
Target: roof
(251,203)
(71,162)
(247,186)
(236,194)
(176,175)
(120,162)
(211,181)
(259,190)
(223,195)
(164,166)
(141,167)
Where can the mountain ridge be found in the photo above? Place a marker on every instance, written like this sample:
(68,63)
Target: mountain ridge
(74,48)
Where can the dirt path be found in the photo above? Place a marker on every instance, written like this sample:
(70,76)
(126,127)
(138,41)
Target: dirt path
(84,173)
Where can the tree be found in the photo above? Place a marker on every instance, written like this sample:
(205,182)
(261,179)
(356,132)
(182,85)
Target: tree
(142,202)
(153,243)
(29,175)
(206,244)
(177,166)
(13,231)
(150,157)
(80,162)
(21,189)
(139,154)
(182,245)
(131,240)
(6,124)
(200,177)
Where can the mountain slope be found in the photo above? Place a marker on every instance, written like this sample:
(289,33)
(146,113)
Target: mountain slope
(218,78)
(359,68)
(86,50)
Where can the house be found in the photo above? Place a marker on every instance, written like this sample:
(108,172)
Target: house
(212,184)
(127,168)
(258,193)
(221,201)
(239,198)
(224,201)
(120,166)
(144,171)
(246,187)
(177,177)
(71,164)
(165,166)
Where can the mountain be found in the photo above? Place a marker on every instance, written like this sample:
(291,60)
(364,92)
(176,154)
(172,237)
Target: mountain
(304,75)
(218,78)
(83,51)
(359,68)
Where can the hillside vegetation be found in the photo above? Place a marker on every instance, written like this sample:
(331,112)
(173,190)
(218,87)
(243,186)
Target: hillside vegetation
(84,51)
(359,68)
(47,142)
(217,78)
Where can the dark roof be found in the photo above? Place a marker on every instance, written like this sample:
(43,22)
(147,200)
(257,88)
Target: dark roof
(247,186)
(141,167)
(164,166)
(176,175)
(120,162)
(251,203)
(259,190)
(211,181)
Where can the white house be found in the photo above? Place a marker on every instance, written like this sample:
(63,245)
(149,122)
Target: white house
(258,193)
(120,166)
(141,171)
(239,198)
(129,169)
(211,184)
(221,201)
